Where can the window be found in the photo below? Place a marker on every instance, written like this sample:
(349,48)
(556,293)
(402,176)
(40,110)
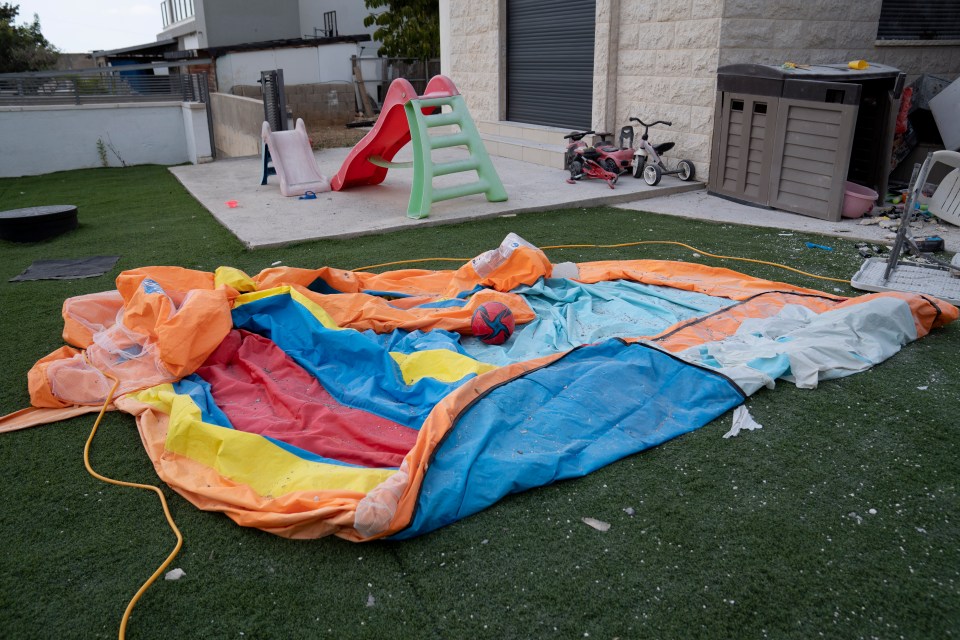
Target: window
(919,20)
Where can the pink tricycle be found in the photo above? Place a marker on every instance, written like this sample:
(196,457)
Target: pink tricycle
(648,162)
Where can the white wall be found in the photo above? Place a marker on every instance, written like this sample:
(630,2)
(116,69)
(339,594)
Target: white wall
(196,132)
(237,123)
(301,65)
(43,139)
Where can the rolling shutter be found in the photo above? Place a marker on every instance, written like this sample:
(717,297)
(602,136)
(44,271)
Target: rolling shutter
(550,62)
(919,20)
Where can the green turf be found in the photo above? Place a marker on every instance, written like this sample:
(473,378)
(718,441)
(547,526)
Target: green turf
(765,535)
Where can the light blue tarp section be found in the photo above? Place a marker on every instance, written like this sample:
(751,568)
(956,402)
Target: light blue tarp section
(570,314)
(804,347)
(591,407)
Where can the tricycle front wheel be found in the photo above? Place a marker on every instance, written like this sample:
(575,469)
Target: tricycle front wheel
(652,174)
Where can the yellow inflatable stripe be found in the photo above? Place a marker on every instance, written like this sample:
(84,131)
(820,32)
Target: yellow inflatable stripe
(248,458)
(316,310)
(235,278)
(159,397)
(442,364)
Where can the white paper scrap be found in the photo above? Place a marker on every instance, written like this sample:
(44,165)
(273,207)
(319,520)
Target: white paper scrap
(599,525)
(742,420)
(175,574)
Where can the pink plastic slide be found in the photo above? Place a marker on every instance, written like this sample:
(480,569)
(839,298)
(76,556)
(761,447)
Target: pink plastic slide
(390,133)
(293,160)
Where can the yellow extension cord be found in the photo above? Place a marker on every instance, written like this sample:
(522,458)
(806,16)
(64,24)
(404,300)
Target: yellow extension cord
(617,246)
(163,500)
(122,483)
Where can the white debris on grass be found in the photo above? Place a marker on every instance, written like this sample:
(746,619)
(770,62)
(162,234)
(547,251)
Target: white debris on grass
(175,574)
(371,601)
(923,388)
(742,420)
(599,525)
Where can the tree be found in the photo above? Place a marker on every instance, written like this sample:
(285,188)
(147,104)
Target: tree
(407,28)
(23,48)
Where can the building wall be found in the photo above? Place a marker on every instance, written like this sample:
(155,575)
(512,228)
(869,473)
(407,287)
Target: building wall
(667,70)
(43,139)
(652,60)
(658,60)
(474,45)
(824,31)
(301,65)
(350,15)
(227,22)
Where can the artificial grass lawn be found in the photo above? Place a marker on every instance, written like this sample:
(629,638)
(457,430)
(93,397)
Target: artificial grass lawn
(769,534)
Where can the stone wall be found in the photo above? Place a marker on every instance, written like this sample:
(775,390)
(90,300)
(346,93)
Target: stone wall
(654,60)
(318,104)
(658,60)
(477,56)
(667,70)
(824,32)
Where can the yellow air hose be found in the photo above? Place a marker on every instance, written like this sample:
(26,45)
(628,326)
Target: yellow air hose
(618,246)
(122,483)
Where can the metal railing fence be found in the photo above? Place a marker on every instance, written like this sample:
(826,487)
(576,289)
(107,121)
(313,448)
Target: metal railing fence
(101,87)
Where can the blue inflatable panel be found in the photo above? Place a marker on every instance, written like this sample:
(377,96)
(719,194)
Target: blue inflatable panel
(591,407)
(355,367)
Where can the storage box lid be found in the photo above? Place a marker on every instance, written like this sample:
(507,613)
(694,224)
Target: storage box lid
(767,79)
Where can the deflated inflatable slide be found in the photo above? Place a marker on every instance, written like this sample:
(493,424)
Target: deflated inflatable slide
(310,402)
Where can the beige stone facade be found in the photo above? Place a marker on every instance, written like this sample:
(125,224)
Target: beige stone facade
(658,60)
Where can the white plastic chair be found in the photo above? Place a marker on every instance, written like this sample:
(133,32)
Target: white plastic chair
(936,277)
(945,203)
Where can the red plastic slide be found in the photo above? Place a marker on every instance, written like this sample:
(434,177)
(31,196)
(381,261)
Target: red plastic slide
(389,134)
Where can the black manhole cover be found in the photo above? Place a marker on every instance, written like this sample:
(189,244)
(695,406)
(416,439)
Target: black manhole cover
(37,223)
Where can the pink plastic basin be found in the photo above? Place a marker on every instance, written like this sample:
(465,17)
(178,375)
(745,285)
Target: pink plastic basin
(857,200)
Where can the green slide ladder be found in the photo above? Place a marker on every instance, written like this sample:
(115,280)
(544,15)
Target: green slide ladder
(423,194)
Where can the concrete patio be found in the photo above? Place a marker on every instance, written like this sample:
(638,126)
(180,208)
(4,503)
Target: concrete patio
(265,218)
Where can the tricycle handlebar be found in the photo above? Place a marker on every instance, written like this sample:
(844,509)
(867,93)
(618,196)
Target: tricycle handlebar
(652,124)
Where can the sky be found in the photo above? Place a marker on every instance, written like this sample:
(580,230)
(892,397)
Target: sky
(79,26)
